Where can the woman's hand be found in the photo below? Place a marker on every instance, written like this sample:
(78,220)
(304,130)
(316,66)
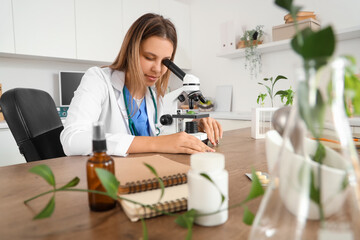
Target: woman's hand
(180,142)
(212,128)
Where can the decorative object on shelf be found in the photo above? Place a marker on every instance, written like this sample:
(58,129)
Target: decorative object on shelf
(304,20)
(261,117)
(314,167)
(250,40)
(301,15)
(227,36)
(287,31)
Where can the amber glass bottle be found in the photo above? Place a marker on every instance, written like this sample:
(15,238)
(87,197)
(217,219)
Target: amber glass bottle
(99,159)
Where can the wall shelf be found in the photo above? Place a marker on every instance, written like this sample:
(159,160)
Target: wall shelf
(55,59)
(346,34)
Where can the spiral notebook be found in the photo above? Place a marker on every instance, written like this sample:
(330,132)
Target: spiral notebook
(174,200)
(139,184)
(134,176)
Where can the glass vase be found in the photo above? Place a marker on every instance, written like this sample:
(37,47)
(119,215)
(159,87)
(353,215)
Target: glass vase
(314,170)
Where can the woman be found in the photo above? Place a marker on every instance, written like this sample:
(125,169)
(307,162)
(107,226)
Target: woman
(127,96)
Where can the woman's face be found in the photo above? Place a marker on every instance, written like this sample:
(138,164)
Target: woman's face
(152,51)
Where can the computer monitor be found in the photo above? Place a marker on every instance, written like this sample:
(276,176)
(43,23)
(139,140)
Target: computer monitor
(68,83)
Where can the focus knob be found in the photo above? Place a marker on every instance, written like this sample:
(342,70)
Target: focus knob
(166,119)
(181,98)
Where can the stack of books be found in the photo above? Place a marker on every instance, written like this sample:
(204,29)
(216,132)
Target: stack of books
(302,15)
(139,184)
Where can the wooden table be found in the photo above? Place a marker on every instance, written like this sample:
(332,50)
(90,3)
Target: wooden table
(72,218)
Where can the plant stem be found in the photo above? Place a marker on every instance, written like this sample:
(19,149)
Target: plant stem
(321,208)
(99,192)
(42,194)
(65,189)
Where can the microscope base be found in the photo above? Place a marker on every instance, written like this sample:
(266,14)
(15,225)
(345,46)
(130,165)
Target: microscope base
(202,136)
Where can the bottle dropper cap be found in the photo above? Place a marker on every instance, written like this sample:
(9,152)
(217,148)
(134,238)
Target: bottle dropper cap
(99,142)
(98,131)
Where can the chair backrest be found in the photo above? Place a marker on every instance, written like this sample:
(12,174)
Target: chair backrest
(34,122)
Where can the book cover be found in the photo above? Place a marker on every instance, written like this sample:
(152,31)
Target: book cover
(174,200)
(134,176)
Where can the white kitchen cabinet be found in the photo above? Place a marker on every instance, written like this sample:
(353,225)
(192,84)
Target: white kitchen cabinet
(133,9)
(99,31)
(179,13)
(83,30)
(6,27)
(45,28)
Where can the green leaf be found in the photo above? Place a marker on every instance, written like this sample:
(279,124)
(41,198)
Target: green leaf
(256,188)
(209,179)
(109,182)
(288,5)
(248,217)
(186,220)
(48,210)
(45,172)
(295,43)
(144,228)
(316,45)
(314,191)
(278,78)
(320,153)
(281,93)
(261,97)
(72,183)
(345,182)
(161,183)
(352,87)
(189,234)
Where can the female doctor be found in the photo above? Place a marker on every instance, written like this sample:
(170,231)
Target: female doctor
(127,97)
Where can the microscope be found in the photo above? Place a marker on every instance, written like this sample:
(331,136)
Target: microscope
(174,119)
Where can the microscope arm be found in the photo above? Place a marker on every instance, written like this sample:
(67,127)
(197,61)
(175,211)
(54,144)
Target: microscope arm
(170,101)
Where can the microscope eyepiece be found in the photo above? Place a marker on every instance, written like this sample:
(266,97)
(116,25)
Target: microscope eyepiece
(173,68)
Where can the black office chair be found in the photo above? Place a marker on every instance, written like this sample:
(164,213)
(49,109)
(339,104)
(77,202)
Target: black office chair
(34,122)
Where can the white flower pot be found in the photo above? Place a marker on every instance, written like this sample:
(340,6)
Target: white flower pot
(291,166)
(261,121)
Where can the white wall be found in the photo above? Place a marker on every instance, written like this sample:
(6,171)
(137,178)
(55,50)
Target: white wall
(206,17)
(41,74)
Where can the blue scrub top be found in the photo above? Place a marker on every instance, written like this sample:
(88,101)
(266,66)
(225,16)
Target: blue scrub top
(140,118)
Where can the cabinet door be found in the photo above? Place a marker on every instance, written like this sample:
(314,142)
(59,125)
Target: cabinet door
(98,29)
(45,28)
(6,27)
(133,9)
(179,13)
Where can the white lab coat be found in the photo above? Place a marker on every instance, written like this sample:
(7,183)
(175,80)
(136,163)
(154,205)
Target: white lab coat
(99,97)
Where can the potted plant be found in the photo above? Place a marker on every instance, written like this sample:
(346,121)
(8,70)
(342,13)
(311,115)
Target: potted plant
(261,117)
(250,40)
(284,94)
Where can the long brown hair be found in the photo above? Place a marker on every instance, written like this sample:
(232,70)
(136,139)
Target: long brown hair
(128,59)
